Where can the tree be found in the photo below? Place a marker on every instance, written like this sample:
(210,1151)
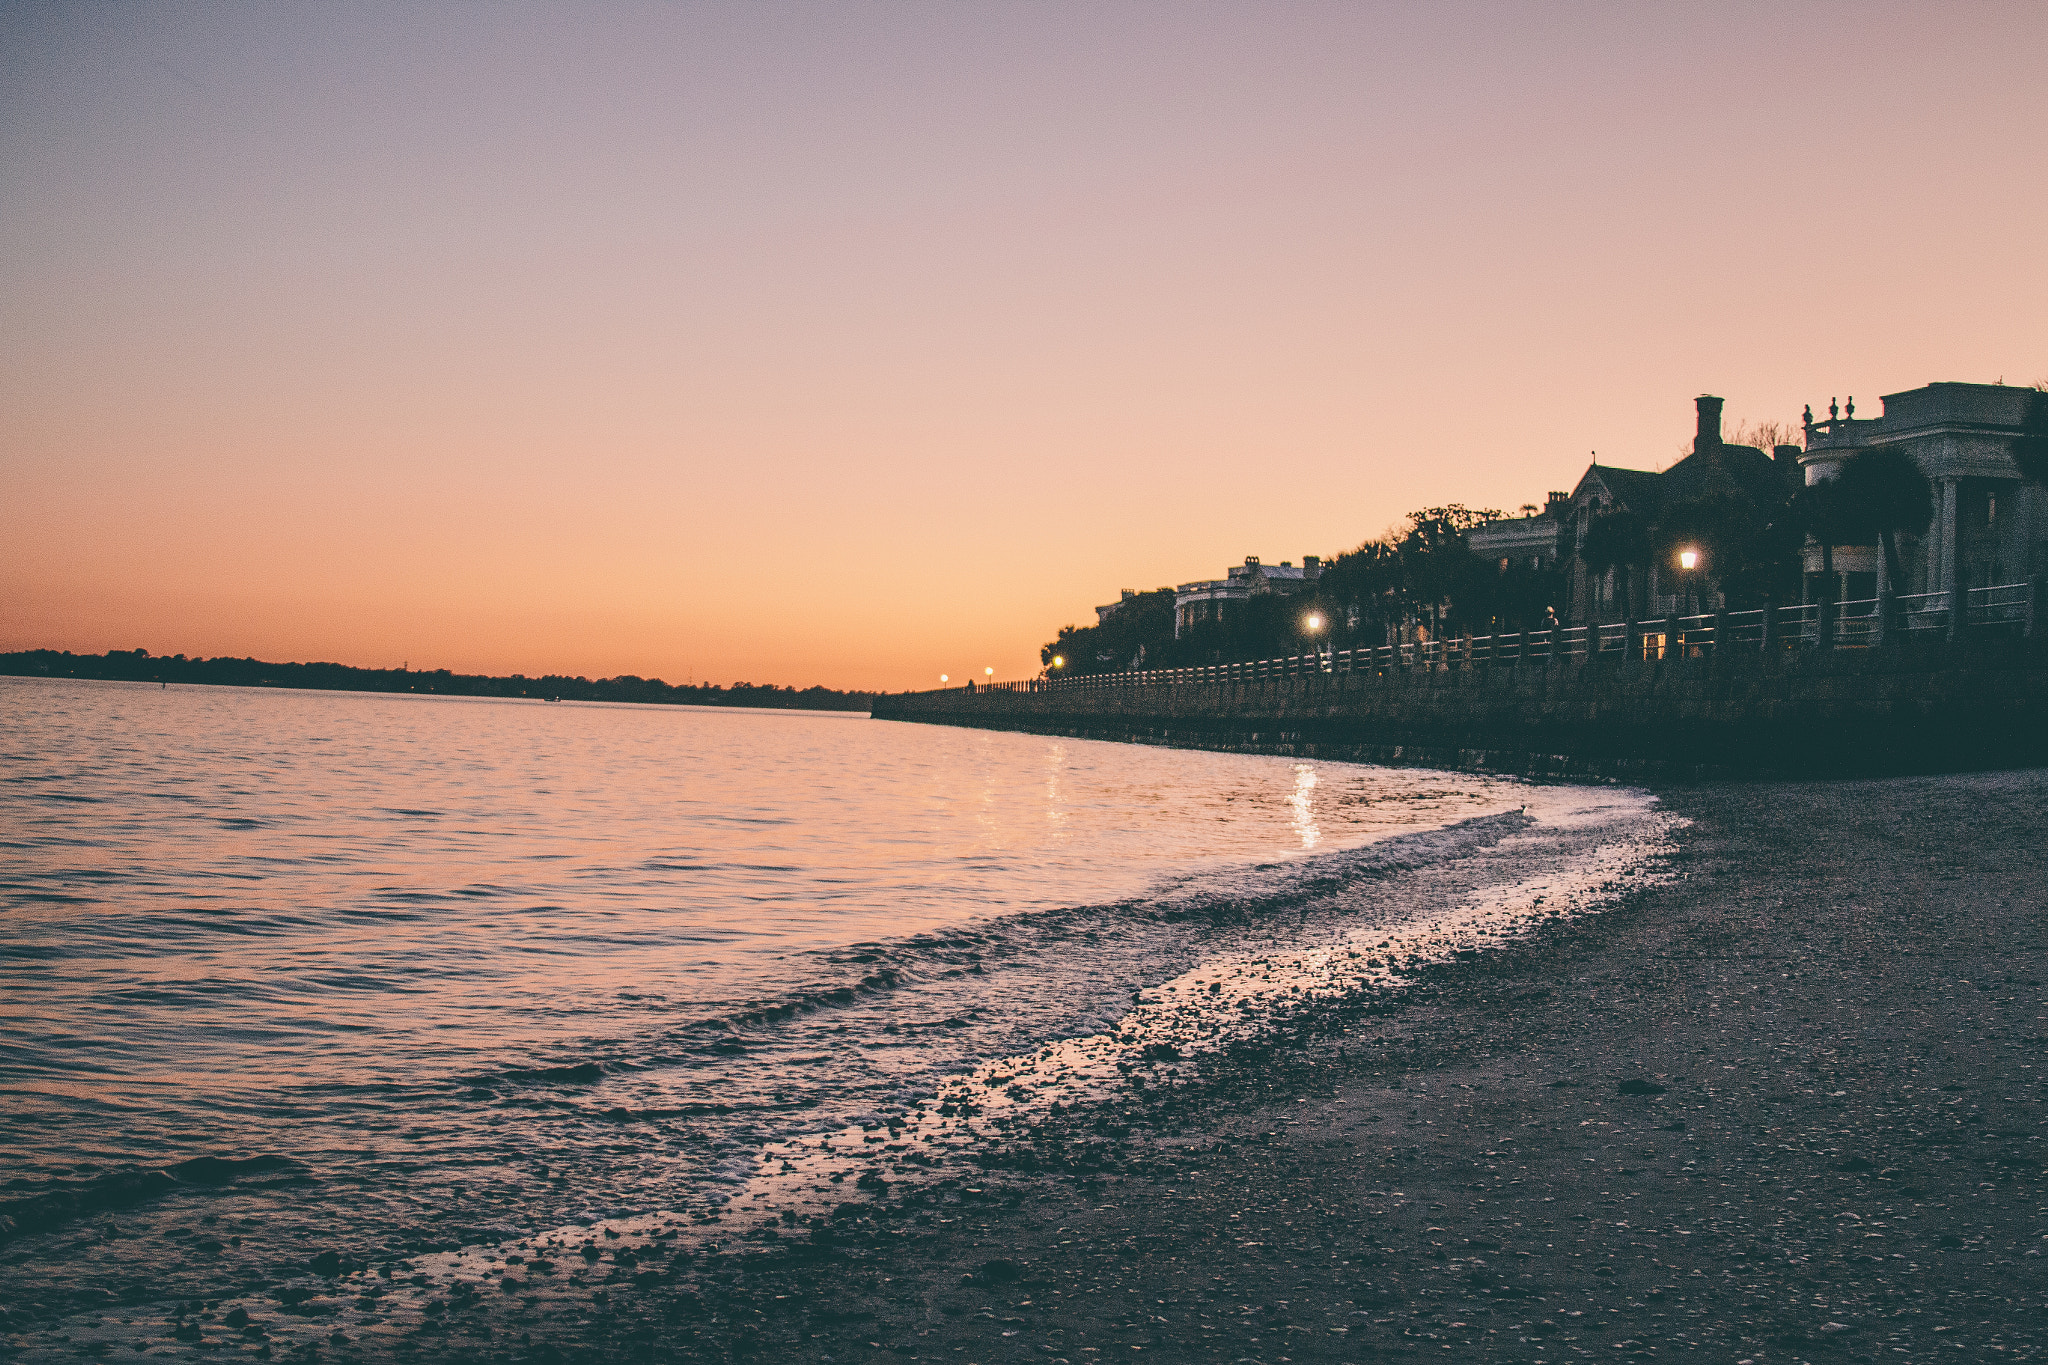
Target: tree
(1827,515)
(1144,621)
(1765,436)
(1886,493)
(1766,569)
(2030,447)
(1366,580)
(1437,566)
(1619,541)
(1513,598)
(1747,549)
(1769,434)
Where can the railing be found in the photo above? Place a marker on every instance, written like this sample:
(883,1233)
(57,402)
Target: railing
(2007,607)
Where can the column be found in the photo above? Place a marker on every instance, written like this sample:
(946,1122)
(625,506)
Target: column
(1936,538)
(1884,595)
(1948,537)
(1951,528)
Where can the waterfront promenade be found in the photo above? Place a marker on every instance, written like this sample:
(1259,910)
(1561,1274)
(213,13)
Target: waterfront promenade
(1801,690)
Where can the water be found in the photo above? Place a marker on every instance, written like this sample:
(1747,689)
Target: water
(390,975)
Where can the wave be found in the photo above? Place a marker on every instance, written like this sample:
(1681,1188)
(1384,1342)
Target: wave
(60,1201)
(1238,894)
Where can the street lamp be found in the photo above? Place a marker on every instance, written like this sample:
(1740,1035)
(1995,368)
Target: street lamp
(1315,624)
(1059,661)
(1689,560)
(944,678)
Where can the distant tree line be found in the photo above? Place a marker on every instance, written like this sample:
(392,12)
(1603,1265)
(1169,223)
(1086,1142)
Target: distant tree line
(139,665)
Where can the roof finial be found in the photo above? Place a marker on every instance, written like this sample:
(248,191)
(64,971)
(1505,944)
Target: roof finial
(1833,410)
(1850,411)
(1807,419)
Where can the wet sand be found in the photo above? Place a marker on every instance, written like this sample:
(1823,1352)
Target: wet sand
(1788,1106)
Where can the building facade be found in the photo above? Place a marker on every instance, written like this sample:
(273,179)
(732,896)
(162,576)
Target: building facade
(1215,599)
(1989,527)
(1102,614)
(1713,470)
(1527,542)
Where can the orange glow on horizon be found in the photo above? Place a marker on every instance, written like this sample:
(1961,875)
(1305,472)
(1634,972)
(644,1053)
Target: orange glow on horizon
(847,347)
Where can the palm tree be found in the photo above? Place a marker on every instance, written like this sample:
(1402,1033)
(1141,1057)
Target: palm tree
(1616,540)
(1887,493)
(2030,448)
(1828,516)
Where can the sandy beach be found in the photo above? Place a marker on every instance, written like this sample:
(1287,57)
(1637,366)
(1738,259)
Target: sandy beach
(1788,1107)
(1785,1106)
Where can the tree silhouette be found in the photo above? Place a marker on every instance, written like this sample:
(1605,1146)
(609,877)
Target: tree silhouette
(2030,447)
(1437,564)
(1618,541)
(1886,493)
(1827,515)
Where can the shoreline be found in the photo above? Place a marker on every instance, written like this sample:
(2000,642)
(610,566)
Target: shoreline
(1844,1161)
(1834,1016)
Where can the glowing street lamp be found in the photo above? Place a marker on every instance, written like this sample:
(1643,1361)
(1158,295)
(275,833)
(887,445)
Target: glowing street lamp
(989,674)
(944,678)
(1689,561)
(1059,661)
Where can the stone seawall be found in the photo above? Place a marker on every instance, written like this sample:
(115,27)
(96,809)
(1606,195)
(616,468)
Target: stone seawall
(1918,707)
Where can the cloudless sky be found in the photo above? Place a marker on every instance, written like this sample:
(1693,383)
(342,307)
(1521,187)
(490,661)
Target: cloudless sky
(853,343)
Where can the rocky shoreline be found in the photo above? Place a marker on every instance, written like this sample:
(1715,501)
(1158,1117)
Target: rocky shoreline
(1787,1106)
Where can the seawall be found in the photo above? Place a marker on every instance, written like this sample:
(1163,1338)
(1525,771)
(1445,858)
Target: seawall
(1918,706)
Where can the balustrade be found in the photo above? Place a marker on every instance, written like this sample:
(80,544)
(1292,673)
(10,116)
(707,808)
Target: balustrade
(2004,607)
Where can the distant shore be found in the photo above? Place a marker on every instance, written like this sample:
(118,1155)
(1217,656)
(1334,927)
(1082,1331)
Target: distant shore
(1789,1107)
(141,666)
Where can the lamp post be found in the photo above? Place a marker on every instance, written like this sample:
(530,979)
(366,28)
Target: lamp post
(1315,626)
(1689,560)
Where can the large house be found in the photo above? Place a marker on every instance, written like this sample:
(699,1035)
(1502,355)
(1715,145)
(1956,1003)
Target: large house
(1713,470)
(1528,541)
(1989,527)
(1212,599)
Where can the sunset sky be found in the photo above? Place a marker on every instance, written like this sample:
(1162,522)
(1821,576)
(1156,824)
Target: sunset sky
(854,343)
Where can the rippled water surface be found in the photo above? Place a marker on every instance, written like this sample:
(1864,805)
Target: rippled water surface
(439,969)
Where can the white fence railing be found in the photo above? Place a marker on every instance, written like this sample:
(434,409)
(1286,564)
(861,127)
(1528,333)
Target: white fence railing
(2007,607)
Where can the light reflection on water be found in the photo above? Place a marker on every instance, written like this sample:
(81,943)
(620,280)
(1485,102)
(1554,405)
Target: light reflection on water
(525,962)
(1303,799)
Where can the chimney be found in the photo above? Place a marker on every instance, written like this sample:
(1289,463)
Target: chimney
(1554,503)
(1311,568)
(1709,435)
